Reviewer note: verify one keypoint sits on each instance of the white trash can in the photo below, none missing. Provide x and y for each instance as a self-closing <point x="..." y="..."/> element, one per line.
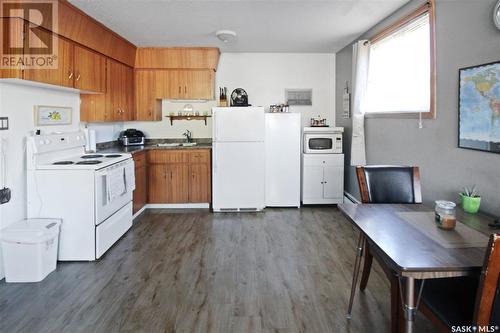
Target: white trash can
<point x="29" y="249"/>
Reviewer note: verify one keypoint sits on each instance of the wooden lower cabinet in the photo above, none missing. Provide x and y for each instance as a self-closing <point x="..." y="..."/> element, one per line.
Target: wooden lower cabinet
<point x="140" y="195"/>
<point x="199" y="183"/>
<point x="176" y="177"/>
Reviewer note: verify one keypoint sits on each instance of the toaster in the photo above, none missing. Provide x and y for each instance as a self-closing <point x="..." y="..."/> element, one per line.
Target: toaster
<point x="132" y="137"/>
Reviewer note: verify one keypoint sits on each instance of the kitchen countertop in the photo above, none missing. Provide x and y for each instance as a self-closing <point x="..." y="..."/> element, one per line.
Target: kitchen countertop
<point x="136" y="149"/>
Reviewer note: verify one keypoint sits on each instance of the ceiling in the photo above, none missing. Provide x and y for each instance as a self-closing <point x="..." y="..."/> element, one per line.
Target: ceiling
<point x="261" y="25"/>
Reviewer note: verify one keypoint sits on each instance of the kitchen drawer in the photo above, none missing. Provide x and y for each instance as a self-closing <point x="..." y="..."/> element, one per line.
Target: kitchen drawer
<point x="323" y="159"/>
<point x="139" y="159"/>
<point x="168" y="156"/>
<point x="199" y="156"/>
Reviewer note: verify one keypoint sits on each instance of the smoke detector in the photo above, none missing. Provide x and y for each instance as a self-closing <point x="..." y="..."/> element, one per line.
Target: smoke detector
<point x="226" y="35"/>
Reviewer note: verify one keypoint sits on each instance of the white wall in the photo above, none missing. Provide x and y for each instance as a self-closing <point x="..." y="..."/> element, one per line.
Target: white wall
<point x="105" y="132"/>
<point x="17" y="102"/>
<point x="264" y="76"/>
<point x="163" y="129"/>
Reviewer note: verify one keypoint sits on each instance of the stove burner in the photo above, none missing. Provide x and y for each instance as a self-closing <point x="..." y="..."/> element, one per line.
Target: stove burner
<point x="62" y="163"/>
<point x="113" y="155"/>
<point x="92" y="156"/>
<point x="89" y="162"/>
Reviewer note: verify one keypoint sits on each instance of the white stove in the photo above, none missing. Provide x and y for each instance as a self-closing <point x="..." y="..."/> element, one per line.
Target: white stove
<point x="91" y="193"/>
<point x="86" y="161"/>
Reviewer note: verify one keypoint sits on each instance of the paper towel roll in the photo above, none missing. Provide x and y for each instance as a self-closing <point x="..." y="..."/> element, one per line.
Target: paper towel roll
<point x="91" y="141"/>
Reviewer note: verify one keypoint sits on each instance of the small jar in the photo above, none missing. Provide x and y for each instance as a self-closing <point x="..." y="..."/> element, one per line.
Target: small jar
<point x="445" y="214"/>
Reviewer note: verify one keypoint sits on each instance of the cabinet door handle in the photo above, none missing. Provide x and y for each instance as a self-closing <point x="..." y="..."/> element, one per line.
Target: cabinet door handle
<point x="70" y="75"/>
<point x="185" y="89"/>
<point x="179" y="89"/>
<point x="170" y="175"/>
<point x="77" y="77"/>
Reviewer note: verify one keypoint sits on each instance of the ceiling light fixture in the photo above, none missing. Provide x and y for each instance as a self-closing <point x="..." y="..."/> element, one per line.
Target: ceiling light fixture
<point x="226" y="35"/>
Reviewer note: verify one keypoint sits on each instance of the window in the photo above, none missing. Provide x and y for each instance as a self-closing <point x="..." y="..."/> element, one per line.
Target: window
<point x="401" y="69"/>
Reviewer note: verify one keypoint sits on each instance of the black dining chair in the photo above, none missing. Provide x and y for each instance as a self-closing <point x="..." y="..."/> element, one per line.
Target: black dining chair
<point x="383" y="184"/>
<point x="466" y="301"/>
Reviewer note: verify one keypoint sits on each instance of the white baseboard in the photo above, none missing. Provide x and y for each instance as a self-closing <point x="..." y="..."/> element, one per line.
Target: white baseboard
<point x="139" y="212"/>
<point x="178" y="206"/>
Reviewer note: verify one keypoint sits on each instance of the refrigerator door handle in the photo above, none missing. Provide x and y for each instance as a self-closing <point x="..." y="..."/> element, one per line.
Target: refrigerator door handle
<point x="214" y="159"/>
<point x="216" y="136"/>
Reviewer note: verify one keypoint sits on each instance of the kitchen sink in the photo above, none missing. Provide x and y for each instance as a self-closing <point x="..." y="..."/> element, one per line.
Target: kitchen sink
<point x="176" y="144"/>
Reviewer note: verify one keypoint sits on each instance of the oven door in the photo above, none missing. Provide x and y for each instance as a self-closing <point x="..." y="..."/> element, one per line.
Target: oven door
<point x="319" y="143"/>
<point x="104" y="207"/>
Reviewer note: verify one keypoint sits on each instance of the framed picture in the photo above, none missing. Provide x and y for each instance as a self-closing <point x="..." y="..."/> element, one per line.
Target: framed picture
<point x="479" y="107"/>
<point x="299" y="97"/>
<point x="52" y="115"/>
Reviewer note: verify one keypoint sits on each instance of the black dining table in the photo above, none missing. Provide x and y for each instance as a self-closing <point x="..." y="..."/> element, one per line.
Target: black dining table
<point x="412" y="253"/>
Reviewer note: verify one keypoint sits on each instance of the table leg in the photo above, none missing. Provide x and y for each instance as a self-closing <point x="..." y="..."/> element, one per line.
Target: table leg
<point x="357" y="265"/>
<point x="410" y="306"/>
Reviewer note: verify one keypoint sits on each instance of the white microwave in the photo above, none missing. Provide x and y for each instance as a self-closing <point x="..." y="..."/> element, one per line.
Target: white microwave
<point x="323" y="140"/>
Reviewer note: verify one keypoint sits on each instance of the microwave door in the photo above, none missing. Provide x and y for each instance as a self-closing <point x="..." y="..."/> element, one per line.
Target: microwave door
<point x="320" y="143"/>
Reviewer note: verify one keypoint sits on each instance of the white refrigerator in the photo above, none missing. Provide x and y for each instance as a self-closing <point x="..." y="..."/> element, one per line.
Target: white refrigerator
<point x="283" y="139"/>
<point x="238" y="158"/>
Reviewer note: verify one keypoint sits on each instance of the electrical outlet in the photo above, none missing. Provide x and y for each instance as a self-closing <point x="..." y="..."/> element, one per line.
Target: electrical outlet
<point x="4" y="195"/>
<point x="4" y="123"/>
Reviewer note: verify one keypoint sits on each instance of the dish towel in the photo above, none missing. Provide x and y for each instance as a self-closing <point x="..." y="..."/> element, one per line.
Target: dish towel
<point x="130" y="177"/>
<point x="115" y="184"/>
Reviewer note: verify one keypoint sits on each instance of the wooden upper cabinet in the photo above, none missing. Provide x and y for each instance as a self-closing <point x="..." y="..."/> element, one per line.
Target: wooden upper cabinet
<point x="147" y="104"/>
<point x="77" y="26"/>
<point x="169" y="84"/>
<point x="184" y="84"/>
<point x="16" y="37"/>
<point x="199" y="84"/>
<point x="177" y="58"/>
<point x="63" y="75"/>
<point x="180" y="73"/>
<point x="117" y="104"/>
<point x="121" y="91"/>
<point x="89" y="70"/>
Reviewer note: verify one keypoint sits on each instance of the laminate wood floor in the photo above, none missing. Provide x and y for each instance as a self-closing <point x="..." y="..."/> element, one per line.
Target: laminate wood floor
<point x="283" y="270"/>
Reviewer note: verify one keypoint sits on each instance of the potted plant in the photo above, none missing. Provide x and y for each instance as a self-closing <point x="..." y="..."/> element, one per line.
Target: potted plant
<point x="470" y="199"/>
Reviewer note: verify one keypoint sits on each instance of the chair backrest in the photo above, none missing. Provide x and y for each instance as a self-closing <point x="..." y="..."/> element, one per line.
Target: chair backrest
<point x="487" y="310"/>
<point x="389" y="184"/>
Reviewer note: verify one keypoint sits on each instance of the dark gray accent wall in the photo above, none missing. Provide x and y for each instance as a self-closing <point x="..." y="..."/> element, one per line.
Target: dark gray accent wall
<point x="465" y="36"/>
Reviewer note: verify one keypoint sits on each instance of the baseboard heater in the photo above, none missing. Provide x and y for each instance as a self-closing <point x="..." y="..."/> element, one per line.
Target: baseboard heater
<point x="238" y="210"/>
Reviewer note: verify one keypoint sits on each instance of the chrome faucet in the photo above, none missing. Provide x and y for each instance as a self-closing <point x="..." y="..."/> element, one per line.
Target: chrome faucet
<point x="188" y="135"/>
